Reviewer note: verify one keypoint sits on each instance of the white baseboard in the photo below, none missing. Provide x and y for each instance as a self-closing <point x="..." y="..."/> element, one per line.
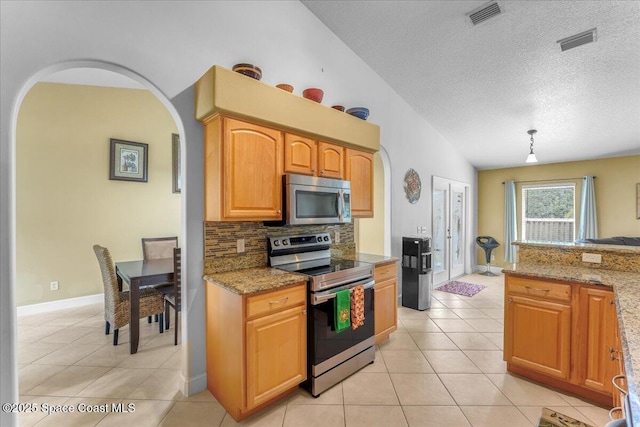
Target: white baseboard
<point x="46" y="307"/>
<point x="195" y="384"/>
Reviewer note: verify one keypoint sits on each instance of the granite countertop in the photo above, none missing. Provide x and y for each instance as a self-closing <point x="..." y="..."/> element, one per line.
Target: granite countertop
<point x="628" y="249"/>
<point x="626" y="288"/>
<point x="370" y="258"/>
<point x="249" y="281"/>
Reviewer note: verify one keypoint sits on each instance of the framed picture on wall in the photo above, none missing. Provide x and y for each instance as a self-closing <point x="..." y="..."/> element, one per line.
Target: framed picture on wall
<point x="128" y="160"/>
<point x="177" y="173"/>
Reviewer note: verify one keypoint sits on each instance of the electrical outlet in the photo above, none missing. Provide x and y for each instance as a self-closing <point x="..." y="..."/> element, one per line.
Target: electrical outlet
<point x="423" y="230"/>
<point x="336" y="237"/>
<point x="240" y="246"/>
<point x="594" y="258"/>
<point x="493" y="257"/>
<point x="53" y="286"/>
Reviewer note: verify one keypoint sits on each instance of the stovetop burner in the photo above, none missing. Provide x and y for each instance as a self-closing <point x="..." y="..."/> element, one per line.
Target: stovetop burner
<point x="312" y="268"/>
<point x="311" y="255"/>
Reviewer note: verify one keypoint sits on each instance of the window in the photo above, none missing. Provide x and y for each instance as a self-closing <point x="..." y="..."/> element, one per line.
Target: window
<point x="548" y="213"/>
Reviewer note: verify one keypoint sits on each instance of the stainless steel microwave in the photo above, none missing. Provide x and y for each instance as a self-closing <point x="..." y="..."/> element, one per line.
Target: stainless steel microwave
<point x="313" y="200"/>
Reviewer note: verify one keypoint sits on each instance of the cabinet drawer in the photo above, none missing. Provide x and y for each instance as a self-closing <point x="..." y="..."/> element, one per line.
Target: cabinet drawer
<point x="538" y="289"/>
<point x="386" y="271"/>
<point x="271" y="302"/>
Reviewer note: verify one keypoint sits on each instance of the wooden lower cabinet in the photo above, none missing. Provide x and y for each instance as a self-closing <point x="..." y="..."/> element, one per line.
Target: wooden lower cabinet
<point x="538" y="335"/>
<point x="562" y="334"/>
<point x="597" y="347"/>
<point x="385" y="299"/>
<point x="256" y="346"/>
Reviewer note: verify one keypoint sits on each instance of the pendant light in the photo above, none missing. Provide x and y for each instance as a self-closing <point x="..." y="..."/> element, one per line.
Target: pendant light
<point x="532" y="157"/>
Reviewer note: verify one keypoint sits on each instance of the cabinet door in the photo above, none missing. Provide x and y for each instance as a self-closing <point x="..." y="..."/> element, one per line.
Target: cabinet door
<point x="300" y="155"/>
<point x="330" y="160"/>
<point x="597" y="348"/>
<point x="276" y="350"/>
<point x="385" y="308"/>
<point x="359" y="170"/>
<point x="252" y="171"/>
<point x="537" y="335"/>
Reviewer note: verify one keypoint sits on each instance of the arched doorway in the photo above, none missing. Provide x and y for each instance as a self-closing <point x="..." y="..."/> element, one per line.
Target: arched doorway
<point x="170" y="109"/>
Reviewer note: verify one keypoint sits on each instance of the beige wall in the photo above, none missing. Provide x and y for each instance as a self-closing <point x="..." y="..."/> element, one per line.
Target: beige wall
<point x="65" y="200"/>
<point x="369" y="232"/>
<point x="615" y="187"/>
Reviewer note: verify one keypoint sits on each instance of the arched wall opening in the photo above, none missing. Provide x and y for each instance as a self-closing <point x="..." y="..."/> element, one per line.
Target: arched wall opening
<point x="12" y="385"/>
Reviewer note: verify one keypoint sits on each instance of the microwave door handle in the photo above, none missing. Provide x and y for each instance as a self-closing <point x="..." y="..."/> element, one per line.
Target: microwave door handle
<point x="339" y="205"/>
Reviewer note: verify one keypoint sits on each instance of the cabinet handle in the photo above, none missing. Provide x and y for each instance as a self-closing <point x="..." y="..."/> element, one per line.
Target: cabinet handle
<point x="313" y="170"/>
<point x="304" y="311"/>
<point x="321" y="172"/>
<point x="282" y="301"/>
<point x="611" y="302"/>
<point x="510" y="300"/>
<point x="279" y="211"/>
<point x="537" y="289"/>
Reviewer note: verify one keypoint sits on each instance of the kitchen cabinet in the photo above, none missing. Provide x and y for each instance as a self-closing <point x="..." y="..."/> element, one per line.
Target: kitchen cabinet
<point x="300" y="155"/>
<point x="359" y="170"/>
<point x="307" y="156"/>
<point x="537" y="333"/>
<point x="256" y="346"/>
<point x="385" y="300"/>
<point x="243" y="171"/>
<point x="562" y="334"/>
<point x="598" y="348"/>
<point x="330" y="160"/>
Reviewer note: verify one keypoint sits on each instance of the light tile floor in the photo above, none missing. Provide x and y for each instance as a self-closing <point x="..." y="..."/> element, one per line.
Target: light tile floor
<point x="443" y="367"/>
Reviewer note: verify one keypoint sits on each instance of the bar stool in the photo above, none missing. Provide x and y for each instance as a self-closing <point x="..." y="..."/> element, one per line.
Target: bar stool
<point x="487" y="243"/>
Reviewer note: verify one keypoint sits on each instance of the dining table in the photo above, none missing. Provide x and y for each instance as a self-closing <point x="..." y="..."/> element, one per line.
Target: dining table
<point x="139" y="274"/>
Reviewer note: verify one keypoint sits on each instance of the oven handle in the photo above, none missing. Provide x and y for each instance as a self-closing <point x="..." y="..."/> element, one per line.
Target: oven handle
<point x="320" y="297"/>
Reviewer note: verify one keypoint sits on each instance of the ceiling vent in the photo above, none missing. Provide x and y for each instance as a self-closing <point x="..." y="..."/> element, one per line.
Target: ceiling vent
<point x="578" y="40"/>
<point x="484" y="12"/>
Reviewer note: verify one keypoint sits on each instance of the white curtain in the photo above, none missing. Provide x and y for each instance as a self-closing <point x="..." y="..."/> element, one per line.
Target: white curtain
<point x="510" y="221"/>
<point x="588" y="218"/>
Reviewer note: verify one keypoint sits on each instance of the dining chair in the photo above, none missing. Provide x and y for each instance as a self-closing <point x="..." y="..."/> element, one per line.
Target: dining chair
<point x="116" y="302"/>
<point x="157" y="248"/>
<point x="174" y="298"/>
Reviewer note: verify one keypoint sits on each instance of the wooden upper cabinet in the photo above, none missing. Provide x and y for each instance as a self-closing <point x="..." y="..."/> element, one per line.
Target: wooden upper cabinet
<point x="330" y="160"/>
<point x="359" y="170"/>
<point x="243" y="171"/>
<point x="300" y="155"/>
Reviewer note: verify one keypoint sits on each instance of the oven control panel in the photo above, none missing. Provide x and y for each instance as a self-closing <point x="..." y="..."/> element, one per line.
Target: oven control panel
<point x="306" y="241"/>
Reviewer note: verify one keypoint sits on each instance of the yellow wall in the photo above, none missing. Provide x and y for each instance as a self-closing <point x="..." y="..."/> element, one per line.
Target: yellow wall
<point x="615" y="187"/>
<point x="65" y="200"/>
<point x="369" y="232"/>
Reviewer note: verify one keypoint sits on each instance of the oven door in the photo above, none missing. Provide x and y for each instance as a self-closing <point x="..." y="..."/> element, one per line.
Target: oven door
<point x="327" y="348"/>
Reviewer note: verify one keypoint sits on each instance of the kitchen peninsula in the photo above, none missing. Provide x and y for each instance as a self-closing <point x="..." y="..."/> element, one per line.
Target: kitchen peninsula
<point x="572" y="320"/>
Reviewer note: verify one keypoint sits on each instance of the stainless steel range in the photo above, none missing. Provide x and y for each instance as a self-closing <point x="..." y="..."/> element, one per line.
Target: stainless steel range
<point x="331" y="356"/>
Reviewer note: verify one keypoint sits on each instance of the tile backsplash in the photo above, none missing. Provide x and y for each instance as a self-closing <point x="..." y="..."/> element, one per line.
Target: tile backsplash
<point x="220" y="242"/>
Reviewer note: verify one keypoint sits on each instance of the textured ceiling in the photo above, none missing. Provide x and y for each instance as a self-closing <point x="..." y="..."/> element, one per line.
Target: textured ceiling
<point x="482" y="87"/>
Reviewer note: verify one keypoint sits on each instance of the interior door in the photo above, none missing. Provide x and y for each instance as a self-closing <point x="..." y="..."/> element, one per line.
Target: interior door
<point x="449" y="229"/>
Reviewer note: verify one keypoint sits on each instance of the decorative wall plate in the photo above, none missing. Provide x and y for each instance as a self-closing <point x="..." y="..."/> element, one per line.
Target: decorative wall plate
<point x="412" y="186"/>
